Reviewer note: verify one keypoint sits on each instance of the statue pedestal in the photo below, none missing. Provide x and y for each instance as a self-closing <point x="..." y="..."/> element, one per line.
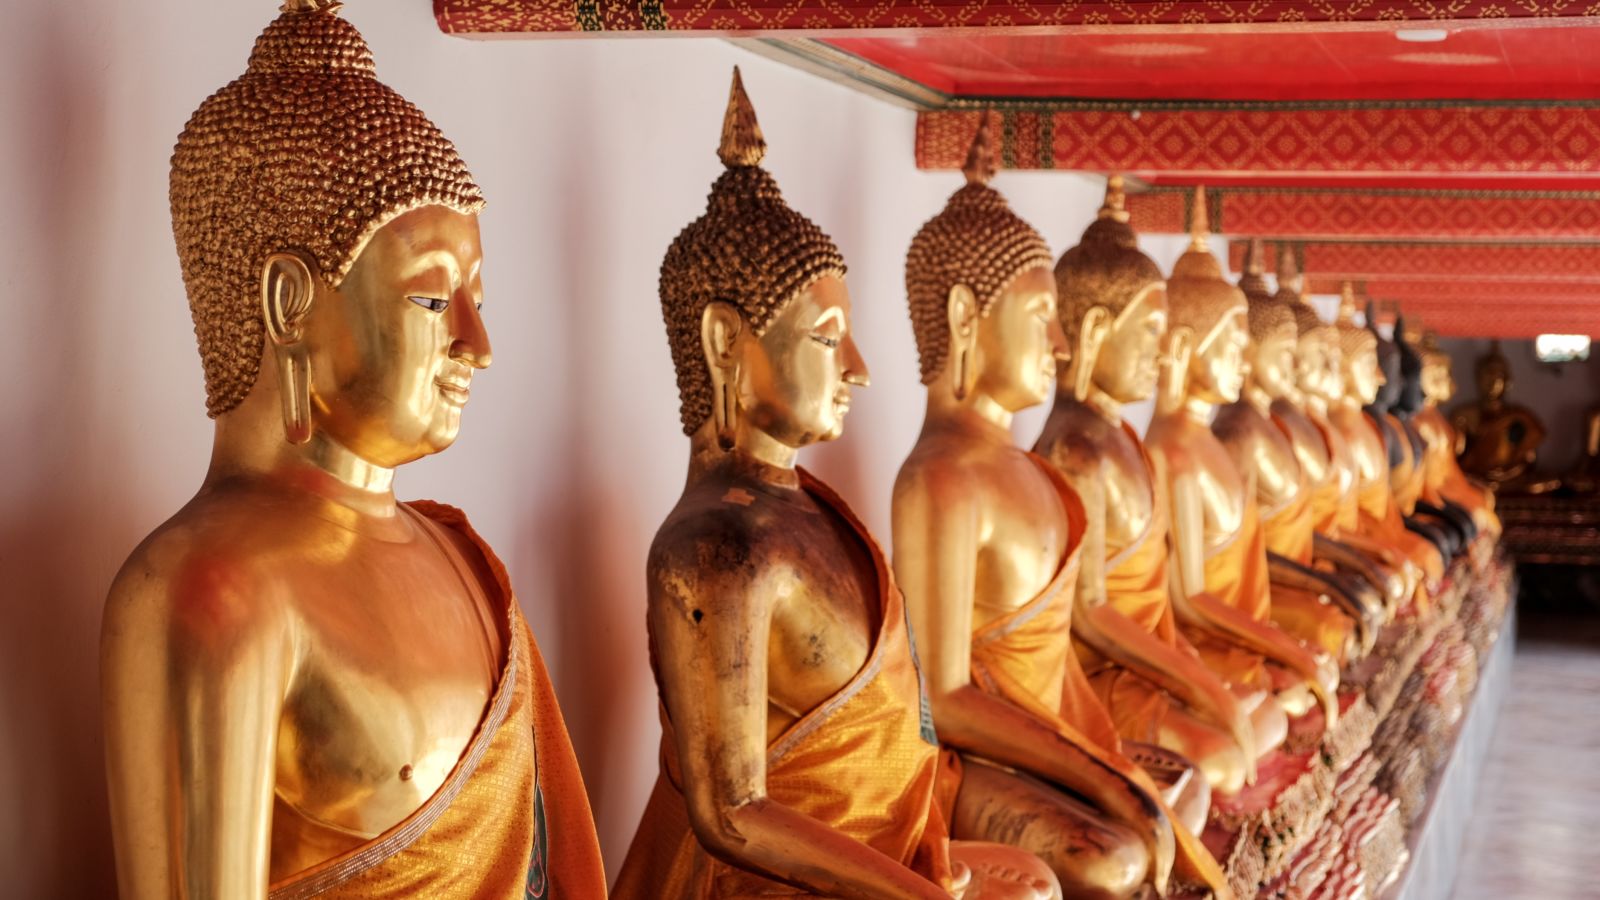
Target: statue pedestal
<point x="1440" y="829"/>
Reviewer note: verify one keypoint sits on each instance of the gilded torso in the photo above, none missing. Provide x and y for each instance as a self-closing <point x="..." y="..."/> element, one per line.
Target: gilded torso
<point x="1310" y="446"/>
<point x="1084" y="445"/>
<point x="1257" y="446"/>
<point x="1191" y="452"/>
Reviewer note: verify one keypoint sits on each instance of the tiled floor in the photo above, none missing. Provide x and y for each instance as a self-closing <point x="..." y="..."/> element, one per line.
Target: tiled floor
<point x="1535" y="831"/>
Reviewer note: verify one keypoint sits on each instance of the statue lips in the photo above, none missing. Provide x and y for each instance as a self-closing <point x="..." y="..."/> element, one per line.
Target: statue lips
<point x="455" y="391"/>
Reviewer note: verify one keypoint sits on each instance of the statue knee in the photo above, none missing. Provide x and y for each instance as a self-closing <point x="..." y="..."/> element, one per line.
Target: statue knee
<point x="1271" y="725"/>
<point x="1118" y="870"/>
<point x="1223" y="768"/>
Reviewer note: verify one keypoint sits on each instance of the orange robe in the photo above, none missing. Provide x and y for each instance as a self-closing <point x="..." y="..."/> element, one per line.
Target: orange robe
<point x="511" y="821"/>
<point x="1236" y="575"/>
<point x="1137" y="587"/>
<point x="865" y="762"/>
<point x="1380" y="517"/>
<point x="1302" y="613"/>
<point x="1026" y="657"/>
<point x="1446" y="481"/>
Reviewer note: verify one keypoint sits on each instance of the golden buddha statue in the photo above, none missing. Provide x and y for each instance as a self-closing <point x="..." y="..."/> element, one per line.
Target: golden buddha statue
<point x="1113" y="308"/>
<point x="1499" y="440"/>
<point x="1428" y="506"/>
<point x="1303" y="598"/>
<point x="1377" y="513"/>
<point x="1221" y="584"/>
<point x="310" y="688"/>
<point x="1445" y="480"/>
<point x="1302" y="415"/>
<point x="986" y="548"/>
<point x="798" y="756"/>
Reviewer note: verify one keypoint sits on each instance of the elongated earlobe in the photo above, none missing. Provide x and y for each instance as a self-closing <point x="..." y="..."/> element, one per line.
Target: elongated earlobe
<point x="962" y="308"/>
<point x="1092" y="334"/>
<point x="287" y="290"/>
<point x="720" y="325"/>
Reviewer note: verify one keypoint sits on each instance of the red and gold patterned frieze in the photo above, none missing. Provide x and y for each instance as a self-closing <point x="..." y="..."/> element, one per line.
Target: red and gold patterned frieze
<point x="1397" y="214"/>
<point x="1417" y="139"/>
<point x="1437" y="262"/>
<point x="792" y="17"/>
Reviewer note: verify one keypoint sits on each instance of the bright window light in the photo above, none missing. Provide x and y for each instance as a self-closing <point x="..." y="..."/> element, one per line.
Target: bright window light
<point x="1554" y="348"/>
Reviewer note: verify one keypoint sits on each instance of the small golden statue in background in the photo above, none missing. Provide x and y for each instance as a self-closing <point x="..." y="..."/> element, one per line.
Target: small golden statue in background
<point x="1499" y="441"/>
<point x="798" y="755"/>
<point x="308" y="685"/>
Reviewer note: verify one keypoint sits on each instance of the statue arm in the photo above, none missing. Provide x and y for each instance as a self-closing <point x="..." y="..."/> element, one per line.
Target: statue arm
<point x="710" y="630"/>
<point x="1201" y="611"/>
<point x="1385" y="579"/>
<point x="1116" y="637"/>
<point x="935" y="559"/>
<point x="195" y="666"/>
<point x="1355" y="599"/>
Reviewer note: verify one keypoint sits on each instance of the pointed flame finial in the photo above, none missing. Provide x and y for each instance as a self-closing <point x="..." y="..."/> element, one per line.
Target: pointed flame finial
<point x="1116" y="204"/>
<point x="1253" y="252"/>
<point x="1347" y="303"/>
<point x="1288" y="264"/>
<point x="742" y="143"/>
<point x="979" y="167"/>
<point x="1200" y="221"/>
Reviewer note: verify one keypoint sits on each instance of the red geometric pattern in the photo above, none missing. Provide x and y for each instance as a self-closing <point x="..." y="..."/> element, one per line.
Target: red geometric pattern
<point x="1403" y="215"/>
<point x="791" y="17"/>
<point x="1546" y="293"/>
<point x="1390" y="261"/>
<point x="1503" y="320"/>
<point x="1418" y="140"/>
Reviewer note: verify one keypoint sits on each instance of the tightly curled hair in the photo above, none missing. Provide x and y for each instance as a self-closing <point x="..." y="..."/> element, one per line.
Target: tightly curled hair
<point x="307" y="151"/>
<point x="977" y="241"/>
<point x="749" y="250"/>
<point x="1106" y="268"/>
<point x="1268" y="317"/>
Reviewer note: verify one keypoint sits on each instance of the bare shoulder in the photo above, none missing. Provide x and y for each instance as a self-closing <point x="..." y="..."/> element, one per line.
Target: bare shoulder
<point x="199" y="587"/>
<point x="714" y="550"/>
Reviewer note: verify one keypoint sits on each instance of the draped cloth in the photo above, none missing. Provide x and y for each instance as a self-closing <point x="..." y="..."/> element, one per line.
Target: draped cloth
<point x="511" y="821"/>
<point x="1236" y="575"/>
<point x="1026" y="657"/>
<point x="1301" y="613"/>
<point x="865" y="762"/>
<point x="1446" y="481"/>
<point x="1136" y="587"/>
<point x="1381" y="518"/>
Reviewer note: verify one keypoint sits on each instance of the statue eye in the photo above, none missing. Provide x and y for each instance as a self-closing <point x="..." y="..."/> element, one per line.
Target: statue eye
<point x="432" y="304"/>
<point x="824" y="340"/>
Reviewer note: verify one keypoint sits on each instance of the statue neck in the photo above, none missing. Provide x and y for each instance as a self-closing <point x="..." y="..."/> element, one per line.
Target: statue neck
<point x="1104" y="404"/>
<point x="1198" y="408"/>
<point x="1258" y="398"/>
<point x="249" y="446"/>
<point x="766" y="462"/>
<point x="977" y="414"/>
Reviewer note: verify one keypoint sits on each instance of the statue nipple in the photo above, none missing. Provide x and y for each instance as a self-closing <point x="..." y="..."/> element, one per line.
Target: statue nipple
<point x="742" y="142"/>
<point x="979" y="167"/>
<point x="1200" y="221"/>
<point x="1116" y="205"/>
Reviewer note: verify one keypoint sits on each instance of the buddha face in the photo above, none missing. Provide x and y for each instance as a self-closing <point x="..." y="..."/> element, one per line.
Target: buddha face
<point x="1217" y="369"/>
<point x="794" y="380"/>
<point x="393" y="350"/>
<point x="1311" y="365"/>
<point x="1493" y="376"/>
<point x="1273" y="365"/>
<point x="1127" y="368"/>
<point x="1362" y="376"/>
<point x="1017" y="342"/>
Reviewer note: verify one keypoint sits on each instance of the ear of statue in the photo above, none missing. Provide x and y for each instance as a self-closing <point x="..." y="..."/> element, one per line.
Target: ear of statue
<point x="1175" y="368"/>
<point x="720" y="326"/>
<point x="962" y="310"/>
<point x="1092" y="334"/>
<point x="287" y="290"/>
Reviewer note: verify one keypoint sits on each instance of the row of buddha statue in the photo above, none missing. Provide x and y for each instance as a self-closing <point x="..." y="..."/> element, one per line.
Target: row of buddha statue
<point x="312" y="689"/>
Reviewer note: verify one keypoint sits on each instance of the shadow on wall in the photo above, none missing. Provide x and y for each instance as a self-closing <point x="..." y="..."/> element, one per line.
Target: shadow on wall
<point x="55" y="834"/>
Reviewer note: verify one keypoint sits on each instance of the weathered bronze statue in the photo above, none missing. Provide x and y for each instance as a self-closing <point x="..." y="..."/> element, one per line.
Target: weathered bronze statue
<point x="1500" y="440"/>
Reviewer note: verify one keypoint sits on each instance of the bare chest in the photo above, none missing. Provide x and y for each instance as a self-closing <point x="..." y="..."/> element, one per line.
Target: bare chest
<point x="1130" y="497"/>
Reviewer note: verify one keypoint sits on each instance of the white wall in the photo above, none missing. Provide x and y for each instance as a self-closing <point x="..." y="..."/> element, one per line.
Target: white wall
<point x="1561" y="395"/>
<point x="593" y="155"/>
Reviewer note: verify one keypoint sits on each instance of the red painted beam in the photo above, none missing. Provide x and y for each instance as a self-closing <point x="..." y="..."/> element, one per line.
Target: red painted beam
<point x="1502" y="320"/>
<point x="793" y="18"/>
<point x="1441" y="262"/>
<point x="1548" y="293"/>
<point x="1397" y="214"/>
<point x="1419" y="141"/>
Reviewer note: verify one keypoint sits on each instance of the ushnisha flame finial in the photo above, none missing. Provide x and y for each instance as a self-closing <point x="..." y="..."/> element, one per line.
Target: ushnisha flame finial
<point x="1347" y="303"/>
<point x="979" y="167"/>
<point x="310" y="6"/>
<point x="742" y="142"/>
<point x="1288" y="272"/>
<point x="1115" y="206"/>
<point x="1200" y="221"/>
<point x="1253" y="252"/>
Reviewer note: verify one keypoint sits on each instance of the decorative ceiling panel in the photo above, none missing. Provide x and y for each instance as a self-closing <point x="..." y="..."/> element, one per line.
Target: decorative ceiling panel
<point x="1439" y="262"/>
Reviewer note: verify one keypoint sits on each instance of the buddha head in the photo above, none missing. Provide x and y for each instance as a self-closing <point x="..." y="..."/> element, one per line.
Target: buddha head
<point x="1410" y="399"/>
<point x="1388" y="365"/>
<point x="982" y="300"/>
<point x="1358" y="348"/>
<point x="1107" y="284"/>
<point x="1493" y="374"/>
<point x="328" y="230"/>
<point x="1438" y="384"/>
<point x="1213" y="313"/>
<point x="757" y="314"/>
<point x="1316" y="357"/>
<point x="1274" y="338"/>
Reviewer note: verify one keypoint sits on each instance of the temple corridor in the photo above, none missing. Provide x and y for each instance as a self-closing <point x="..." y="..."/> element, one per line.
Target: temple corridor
<point x="1538" y="809"/>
